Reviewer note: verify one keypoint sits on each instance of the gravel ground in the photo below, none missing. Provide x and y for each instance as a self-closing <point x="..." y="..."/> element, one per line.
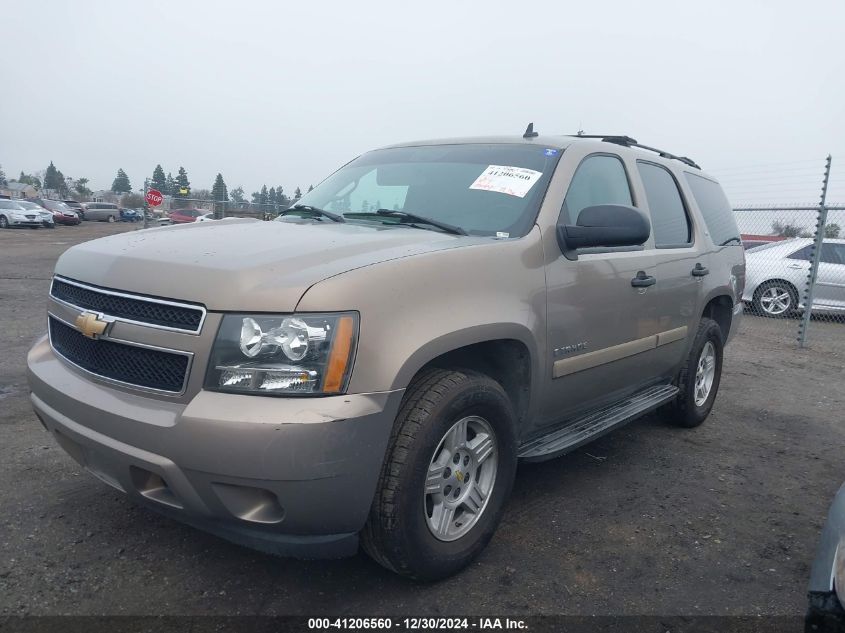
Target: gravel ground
<point x="719" y="520"/>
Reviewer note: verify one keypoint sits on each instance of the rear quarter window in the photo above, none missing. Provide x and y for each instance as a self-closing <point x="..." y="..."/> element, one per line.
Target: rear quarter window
<point x="715" y="209"/>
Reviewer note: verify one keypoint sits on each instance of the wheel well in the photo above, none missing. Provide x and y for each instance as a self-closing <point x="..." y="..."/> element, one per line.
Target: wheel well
<point x="720" y="309"/>
<point x="777" y="280"/>
<point x="508" y="362"/>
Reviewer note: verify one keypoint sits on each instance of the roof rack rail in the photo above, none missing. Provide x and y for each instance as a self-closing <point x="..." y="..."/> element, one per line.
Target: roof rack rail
<point x="627" y="141"/>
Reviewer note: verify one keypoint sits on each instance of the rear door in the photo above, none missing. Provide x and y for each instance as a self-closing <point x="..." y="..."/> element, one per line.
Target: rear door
<point x="682" y="263"/>
<point x="830" y="280"/>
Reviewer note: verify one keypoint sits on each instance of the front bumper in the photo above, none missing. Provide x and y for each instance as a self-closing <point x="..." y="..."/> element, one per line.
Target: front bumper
<point x="290" y="476"/>
<point x="13" y="221"/>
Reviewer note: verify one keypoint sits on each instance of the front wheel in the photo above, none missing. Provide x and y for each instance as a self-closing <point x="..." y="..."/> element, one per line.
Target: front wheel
<point x="698" y="380"/>
<point x="4" y="223"/>
<point x="111" y="219"/>
<point x="449" y="469"/>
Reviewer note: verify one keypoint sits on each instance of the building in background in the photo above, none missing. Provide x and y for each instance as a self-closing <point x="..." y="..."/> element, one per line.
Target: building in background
<point x="18" y="190"/>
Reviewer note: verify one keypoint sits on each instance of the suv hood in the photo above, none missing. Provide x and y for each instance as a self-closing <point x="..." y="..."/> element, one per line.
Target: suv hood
<point x="244" y="265"/>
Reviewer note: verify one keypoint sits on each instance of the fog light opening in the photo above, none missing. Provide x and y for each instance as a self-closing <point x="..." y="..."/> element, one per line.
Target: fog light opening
<point x="153" y="486"/>
<point x="255" y="505"/>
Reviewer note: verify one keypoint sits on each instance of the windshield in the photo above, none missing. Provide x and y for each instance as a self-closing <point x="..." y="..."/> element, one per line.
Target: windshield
<point x="8" y="204"/>
<point x="483" y="189"/>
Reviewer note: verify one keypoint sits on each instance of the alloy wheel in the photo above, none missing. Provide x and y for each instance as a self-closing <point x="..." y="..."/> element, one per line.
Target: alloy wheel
<point x="460" y="478"/>
<point x="776" y="300"/>
<point x="705" y="373"/>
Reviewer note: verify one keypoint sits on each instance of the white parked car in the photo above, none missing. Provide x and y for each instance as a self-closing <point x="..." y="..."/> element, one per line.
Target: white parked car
<point x="206" y="217"/>
<point x="777" y="276"/>
<point x="46" y="216"/>
<point x="13" y="214"/>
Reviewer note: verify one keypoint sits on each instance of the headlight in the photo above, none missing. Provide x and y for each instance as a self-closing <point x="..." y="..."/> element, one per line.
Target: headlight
<point x="302" y="354"/>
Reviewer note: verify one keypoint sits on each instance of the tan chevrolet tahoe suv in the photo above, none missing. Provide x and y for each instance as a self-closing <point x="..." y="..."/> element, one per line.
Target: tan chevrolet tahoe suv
<point x="372" y="365"/>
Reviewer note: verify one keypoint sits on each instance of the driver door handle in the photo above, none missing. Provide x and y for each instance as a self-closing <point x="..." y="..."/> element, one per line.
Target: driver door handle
<point x="642" y="280"/>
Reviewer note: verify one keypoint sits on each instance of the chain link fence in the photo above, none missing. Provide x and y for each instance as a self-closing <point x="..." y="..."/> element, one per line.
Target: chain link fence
<point x="795" y="252"/>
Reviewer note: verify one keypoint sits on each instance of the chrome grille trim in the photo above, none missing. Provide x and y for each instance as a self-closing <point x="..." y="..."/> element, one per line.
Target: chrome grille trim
<point x="133" y="297"/>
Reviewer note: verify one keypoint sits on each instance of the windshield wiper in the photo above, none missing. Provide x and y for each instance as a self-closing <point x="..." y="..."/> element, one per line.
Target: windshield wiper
<point x="731" y="239"/>
<point x="334" y="217"/>
<point x="413" y="217"/>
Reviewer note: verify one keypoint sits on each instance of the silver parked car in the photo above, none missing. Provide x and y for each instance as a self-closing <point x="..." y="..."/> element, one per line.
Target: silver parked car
<point x="46" y="216"/>
<point x="777" y="275"/>
<point x="13" y="214"/>
<point x="372" y="365"/>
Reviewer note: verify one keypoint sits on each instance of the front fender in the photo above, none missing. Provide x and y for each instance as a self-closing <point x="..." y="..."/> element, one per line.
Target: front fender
<point x="419" y="307"/>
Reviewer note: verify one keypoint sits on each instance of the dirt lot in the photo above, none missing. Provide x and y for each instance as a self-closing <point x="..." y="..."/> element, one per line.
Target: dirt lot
<point x="722" y="519"/>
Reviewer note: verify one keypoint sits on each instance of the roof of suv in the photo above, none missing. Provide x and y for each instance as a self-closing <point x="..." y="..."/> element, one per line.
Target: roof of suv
<point x="562" y="141"/>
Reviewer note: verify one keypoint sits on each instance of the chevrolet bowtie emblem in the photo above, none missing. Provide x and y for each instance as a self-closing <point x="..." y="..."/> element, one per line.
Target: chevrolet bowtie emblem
<point x="90" y="325"/>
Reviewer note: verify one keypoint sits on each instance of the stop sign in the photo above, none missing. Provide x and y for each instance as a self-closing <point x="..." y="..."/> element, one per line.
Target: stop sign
<point x="153" y="197"/>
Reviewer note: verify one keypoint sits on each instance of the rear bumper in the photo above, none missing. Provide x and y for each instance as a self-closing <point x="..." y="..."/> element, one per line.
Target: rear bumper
<point x="293" y="477"/>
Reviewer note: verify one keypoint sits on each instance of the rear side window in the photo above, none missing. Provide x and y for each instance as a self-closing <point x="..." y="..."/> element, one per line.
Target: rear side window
<point x="833" y="253"/>
<point x="801" y="253"/>
<point x="669" y="220"/>
<point x="599" y="179"/>
<point x="714" y="206"/>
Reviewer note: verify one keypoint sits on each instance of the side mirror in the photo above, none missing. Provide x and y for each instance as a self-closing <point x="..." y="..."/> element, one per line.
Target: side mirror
<point x="605" y="225"/>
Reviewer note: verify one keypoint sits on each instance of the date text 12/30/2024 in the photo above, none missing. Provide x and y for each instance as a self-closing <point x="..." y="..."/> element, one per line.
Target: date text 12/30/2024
<point x="415" y="624"/>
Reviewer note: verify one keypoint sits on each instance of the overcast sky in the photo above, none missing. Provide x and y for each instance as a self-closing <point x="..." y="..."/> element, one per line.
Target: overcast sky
<point x="284" y="92"/>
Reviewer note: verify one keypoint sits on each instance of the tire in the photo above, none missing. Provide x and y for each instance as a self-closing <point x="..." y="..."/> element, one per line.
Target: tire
<point x="689" y="408"/>
<point x="775" y="299"/>
<point x="398" y="534"/>
<point x="110" y="219"/>
<point x="4" y="223"/>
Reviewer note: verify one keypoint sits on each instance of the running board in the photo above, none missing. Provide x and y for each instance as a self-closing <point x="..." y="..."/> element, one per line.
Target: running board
<point x="590" y="426"/>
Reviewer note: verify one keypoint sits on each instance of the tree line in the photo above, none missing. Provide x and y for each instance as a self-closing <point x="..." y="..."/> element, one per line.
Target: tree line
<point x="179" y="187"/>
<point x="51" y="179"/>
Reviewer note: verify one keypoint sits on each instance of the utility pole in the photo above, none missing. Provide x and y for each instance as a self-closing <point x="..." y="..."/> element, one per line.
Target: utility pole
<point x="146" y="205"/>
<point x="815" y="256"/>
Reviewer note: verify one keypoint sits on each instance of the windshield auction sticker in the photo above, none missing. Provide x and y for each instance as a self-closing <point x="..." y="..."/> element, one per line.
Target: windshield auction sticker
<point x="514" y="181"/>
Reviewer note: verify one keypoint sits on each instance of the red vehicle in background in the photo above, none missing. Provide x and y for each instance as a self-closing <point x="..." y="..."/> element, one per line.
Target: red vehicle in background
<point x="62" y="214"/>
<point x="184" y="216"/>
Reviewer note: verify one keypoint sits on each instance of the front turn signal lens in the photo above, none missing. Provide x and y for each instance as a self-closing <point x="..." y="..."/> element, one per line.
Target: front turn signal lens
<point x="340" y="356"/>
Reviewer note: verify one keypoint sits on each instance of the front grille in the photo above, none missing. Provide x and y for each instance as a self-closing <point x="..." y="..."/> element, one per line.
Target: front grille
<point x="152" y="311"/>
<point x="150" y="368"/>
